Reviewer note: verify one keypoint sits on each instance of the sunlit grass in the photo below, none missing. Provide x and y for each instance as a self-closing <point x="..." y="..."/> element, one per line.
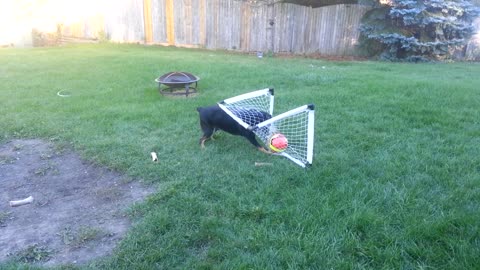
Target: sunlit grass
<point x="394" y="184"/>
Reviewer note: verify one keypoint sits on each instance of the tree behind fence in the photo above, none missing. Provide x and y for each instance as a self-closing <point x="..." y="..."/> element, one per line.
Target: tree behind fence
<point x="235" y="25"/>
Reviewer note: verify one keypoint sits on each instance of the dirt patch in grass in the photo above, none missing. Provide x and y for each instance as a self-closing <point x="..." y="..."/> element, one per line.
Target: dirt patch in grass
<point x="78" y="211"/>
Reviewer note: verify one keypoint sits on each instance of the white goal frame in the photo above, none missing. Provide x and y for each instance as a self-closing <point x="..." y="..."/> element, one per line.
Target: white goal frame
<point x="267" y="91"/>
<point x="307" y="110"/>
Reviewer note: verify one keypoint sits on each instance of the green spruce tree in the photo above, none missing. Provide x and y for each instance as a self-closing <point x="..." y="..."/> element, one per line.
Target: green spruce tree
<point x="417" y="30"/>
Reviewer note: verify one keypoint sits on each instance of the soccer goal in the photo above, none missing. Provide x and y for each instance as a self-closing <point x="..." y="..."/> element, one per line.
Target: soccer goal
<point x="296" y="125"/>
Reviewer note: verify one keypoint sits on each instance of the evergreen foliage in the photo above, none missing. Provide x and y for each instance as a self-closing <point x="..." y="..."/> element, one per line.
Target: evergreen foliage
<point x="418" y="30"/>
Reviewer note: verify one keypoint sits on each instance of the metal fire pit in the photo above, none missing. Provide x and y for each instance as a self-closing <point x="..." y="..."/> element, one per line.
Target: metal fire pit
<point x="177" y="83"/>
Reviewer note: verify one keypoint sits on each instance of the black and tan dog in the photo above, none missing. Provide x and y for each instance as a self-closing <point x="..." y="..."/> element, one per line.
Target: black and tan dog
<point x="214" y="118"/>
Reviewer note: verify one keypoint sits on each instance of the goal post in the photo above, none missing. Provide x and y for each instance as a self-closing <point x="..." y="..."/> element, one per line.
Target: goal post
<point x="260" y="99"/>
<point x="238" y="107"/>
<point x="296" y="125"/>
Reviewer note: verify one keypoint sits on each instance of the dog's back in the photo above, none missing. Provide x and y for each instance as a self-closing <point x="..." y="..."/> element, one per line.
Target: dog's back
<point x="213" y="117"/>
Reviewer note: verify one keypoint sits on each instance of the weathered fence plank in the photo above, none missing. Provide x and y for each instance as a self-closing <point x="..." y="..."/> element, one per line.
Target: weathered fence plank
<point x="159" y="22"/>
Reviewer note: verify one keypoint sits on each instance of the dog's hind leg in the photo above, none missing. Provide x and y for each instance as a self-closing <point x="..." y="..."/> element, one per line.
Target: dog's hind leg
<point x="207" y="134"/>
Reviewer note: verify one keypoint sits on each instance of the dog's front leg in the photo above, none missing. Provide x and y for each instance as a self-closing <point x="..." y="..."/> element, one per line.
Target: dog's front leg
<point x="264" y="150"/>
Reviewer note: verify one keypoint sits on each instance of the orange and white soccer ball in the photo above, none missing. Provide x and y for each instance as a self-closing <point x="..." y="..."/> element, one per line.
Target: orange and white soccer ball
<point x="278" y="142"/>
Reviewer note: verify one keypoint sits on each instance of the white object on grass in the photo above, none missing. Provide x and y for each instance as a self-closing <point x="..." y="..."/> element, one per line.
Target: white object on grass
<point x="154" y="156"/>
<point x="21" y="202"/>
<point x="258" y="164"/>
<point x="61" y="94"/>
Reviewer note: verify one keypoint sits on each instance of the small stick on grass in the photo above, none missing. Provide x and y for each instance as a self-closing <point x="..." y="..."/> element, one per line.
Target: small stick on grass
<point x="258" y="164"/>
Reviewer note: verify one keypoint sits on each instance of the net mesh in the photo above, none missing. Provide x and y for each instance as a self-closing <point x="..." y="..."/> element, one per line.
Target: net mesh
<point x="253" y="110"/>
<point x="261" y="101"/>
<point x="295" y="129"/>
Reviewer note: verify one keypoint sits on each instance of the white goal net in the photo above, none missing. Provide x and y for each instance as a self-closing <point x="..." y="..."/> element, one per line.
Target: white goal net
<point x="254" y="111"/>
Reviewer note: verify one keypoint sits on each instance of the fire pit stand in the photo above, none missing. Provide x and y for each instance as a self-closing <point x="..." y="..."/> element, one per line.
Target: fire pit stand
<point x="176" y="81"/>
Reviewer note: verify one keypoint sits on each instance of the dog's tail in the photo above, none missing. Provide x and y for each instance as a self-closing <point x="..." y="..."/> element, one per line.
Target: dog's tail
<point x="199" y="109"/>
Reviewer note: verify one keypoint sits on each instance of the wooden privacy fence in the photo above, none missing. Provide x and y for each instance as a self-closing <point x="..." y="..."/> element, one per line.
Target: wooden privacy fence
<point x="236" y="25"/>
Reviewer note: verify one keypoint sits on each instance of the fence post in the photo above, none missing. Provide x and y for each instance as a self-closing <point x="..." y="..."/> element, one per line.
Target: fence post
<point x="202" y="13"/>
<point x="271" y="26"/>
<point x="170" y="22"/>
<point x="147" y="21"/>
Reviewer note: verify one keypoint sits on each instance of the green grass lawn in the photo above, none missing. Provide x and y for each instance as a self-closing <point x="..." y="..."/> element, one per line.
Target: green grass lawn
<point x="395" y="181"/>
